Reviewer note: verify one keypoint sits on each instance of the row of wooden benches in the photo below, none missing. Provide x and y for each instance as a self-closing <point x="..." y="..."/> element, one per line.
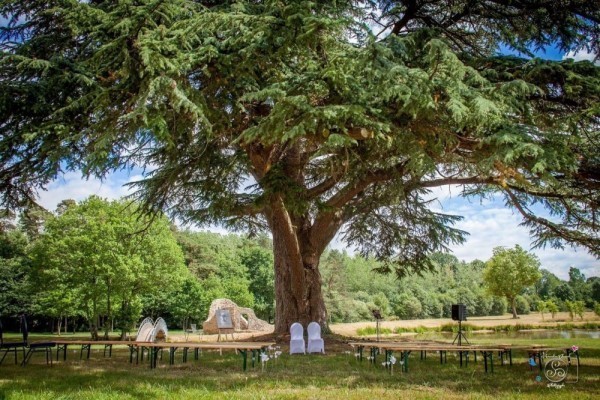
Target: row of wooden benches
<point x="138" y="349"/>
<point x="536" y="353"/>
<point x="154" y="350"/>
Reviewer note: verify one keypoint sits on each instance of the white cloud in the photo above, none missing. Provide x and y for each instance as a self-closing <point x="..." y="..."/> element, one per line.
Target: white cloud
<point x="490" y="226"/>
<point x="581" y="55"/>
<point x="73" y="186"/>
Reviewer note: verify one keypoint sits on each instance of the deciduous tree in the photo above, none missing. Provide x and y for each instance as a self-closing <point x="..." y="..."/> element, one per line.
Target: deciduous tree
<point x="107" y="255"/>
<point x="509" y="271"/>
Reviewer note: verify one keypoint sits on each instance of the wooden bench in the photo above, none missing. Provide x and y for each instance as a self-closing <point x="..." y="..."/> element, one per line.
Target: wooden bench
<point x="86" y="345"/>
<point x="406" y="348"/>
<point x="241" y="347"/>
<point x="154" y="348"/>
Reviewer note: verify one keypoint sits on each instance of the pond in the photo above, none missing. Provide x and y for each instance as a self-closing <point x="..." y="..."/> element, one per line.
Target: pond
<point x="528" y="334"/>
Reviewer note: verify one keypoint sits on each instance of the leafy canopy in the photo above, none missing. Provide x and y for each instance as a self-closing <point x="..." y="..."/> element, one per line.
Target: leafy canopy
<point x="347" y="113"/>
<point x="103" y="257"/>
<point x="509" y="271"/>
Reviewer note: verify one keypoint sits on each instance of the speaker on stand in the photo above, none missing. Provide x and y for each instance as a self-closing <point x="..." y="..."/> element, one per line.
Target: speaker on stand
<point x="459" y="313"/>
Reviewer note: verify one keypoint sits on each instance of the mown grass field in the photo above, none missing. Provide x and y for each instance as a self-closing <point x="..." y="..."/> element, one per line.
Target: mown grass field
<point x="336" y="375"/>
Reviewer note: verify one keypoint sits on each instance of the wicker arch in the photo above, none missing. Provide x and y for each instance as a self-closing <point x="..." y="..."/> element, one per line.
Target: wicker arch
<point x="160" y="331"/>
<point x="144" y="332"/>
<point x="152" y="331"/>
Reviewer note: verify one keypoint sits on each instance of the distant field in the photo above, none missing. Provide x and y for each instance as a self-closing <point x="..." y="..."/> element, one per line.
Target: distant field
<point x="561" y="318"/>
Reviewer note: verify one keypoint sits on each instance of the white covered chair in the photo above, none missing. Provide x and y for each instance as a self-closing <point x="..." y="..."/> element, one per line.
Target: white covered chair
<point x="297" y="339"/>
<point x="315" y="342"/>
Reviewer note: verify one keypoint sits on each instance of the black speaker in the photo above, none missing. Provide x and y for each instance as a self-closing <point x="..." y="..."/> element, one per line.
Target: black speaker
<point x="459" y="312"/>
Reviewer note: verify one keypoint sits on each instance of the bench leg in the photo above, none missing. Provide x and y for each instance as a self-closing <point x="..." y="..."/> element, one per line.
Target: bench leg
<point x="2" y="359"/>
<point x="58" y="349"/>
<point x="172" y="355"/>
<point x="153" y="356"/>
<point x="26" y="358"/>
<point x="244" y="354"/>
<point x="485" y="360"/>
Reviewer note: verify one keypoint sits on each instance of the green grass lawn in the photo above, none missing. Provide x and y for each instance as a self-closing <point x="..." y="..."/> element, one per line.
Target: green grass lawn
<point x="336" y="375"/>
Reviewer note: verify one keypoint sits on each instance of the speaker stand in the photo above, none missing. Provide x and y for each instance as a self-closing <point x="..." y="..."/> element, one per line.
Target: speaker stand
<point x="460" y="335"/>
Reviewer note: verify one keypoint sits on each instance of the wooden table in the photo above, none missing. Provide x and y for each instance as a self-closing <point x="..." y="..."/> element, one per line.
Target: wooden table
<point x="86" y="345"/>
<point x="242" y="347"/>
<point x="138" y="348"/>
<point x="406" y="348"/>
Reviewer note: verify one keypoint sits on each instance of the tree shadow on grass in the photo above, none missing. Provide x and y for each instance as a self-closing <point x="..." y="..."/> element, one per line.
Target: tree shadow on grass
<point x="215" y="375"/>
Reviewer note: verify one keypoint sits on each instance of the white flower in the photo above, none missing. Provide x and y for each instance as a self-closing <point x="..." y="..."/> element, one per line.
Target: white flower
<point x="393" y="360"/>
<point x="264" y="357"/>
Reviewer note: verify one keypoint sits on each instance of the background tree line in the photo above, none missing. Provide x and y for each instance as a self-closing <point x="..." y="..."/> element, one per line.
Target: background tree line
<point x="101" y="266"/>
<point x="98" y="265"/>
<point x="352" y="288"/>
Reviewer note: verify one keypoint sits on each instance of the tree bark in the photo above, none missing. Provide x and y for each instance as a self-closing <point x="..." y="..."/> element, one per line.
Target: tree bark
<point x="297" y="277"/>
<point x="298" y="292"/>
<point x="514" y="307"/>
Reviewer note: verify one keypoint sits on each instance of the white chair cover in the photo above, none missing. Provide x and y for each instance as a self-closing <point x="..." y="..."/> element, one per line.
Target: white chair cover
<point x="297" y="339"/>
<point x="315" y="342"/>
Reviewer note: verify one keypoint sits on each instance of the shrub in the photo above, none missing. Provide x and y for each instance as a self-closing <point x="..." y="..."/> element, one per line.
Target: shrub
<point x="575" y="308"/>
<point x="597" y="308"/>
<point x="407" y="306"/>
<point x="382" y="303"/>
<point x="541" y="307"/>
<point x="522" y="305"/>
<point x="483" y="305"/>
<point x="499" y="306"/>
<point x="551" y="307"/>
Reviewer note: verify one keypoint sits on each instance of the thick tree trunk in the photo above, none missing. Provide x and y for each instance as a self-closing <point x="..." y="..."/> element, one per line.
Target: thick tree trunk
<point x="298" y="294"/>
<point x="299" y="238"/>
<point x="297" y="279"/>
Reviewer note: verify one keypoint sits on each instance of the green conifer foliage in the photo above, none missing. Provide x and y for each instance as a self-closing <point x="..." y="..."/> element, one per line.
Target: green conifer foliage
<point x="304" y="119"/>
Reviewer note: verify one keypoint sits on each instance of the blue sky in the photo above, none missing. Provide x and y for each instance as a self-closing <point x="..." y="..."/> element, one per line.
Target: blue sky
<point x="549" y="53"/>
